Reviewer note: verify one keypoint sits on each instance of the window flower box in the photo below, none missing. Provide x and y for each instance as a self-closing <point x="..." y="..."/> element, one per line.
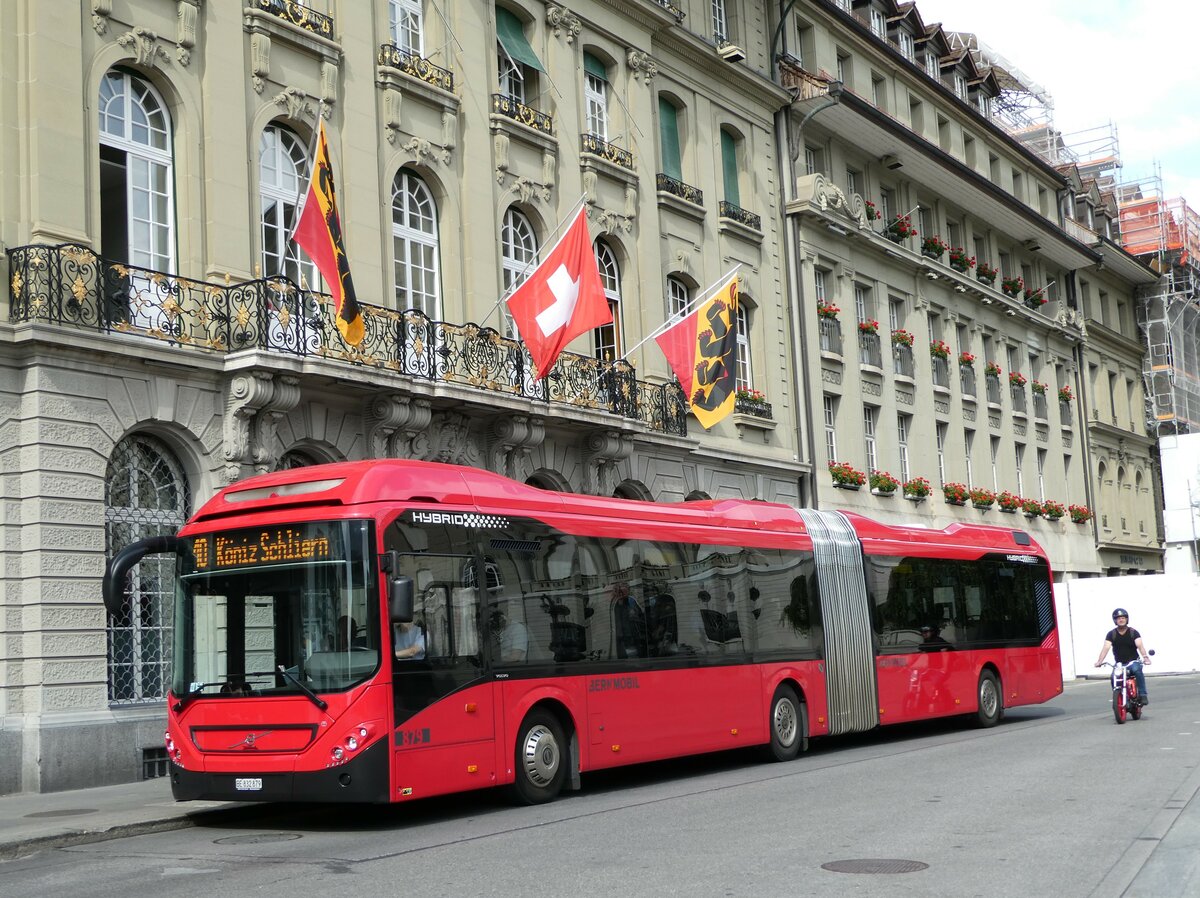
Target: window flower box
<point x="985" y="273"/>
<point x="933" y="247"/>
<point x="1008" y="502"/>
<point x="1013" y="286"/>
<point x="1038" y="388"/>
<point x="1017" y="379"/>
<point x="870" y="326"/>
<point x="846" y="476"/>
<point x="966" y="360"/>
<point x="1080" y="514"/>
<point x="982" y="498"/>
<point x="955" y="493"/>
<point x="916" y="489"/>
<point x="902" y="338"/>
<point x="992" y="370"/>
<point x="960" y="261"/>
<point x="1032" y="508"/>
<point x="899" y="228"/>
<point x="1052" y="510"/>
<point x="827" y="310"/>
<point x="939" y="350"/>
<point x="873" y="213"/>
<point x="883" y="483"/>
<point x="1035" y="299"/>
<point x="1065" y="394"/>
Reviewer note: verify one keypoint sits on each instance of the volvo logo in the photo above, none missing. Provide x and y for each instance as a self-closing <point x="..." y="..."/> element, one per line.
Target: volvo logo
<point x="250" y="741"/>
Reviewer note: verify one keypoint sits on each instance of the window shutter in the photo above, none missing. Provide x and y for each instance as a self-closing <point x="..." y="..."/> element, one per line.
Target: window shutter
<point x="512" y="38"/>
<point x="668" y="124"/>
<point x="594" y="66"/>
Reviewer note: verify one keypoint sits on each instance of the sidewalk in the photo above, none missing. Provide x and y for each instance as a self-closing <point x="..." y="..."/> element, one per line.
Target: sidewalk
<point x="31" y="821"/>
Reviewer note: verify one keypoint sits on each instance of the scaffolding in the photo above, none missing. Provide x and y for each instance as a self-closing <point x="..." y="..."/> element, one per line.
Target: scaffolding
<point x="1165" y="234"/>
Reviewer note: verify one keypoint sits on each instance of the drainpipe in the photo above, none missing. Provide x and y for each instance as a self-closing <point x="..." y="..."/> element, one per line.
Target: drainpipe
<point x="795" y="289"/>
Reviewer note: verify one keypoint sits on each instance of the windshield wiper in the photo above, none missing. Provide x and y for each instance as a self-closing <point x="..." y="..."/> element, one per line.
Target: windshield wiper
<point x="312" y="696"/>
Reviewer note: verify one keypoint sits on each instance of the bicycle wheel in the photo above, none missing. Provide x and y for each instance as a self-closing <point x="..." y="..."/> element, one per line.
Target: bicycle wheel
<point x="1135" y="706"/>
<point x="1119" y="705"/>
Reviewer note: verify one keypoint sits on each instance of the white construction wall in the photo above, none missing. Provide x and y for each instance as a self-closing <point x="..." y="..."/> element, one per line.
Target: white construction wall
<point x="1165" y="609"/>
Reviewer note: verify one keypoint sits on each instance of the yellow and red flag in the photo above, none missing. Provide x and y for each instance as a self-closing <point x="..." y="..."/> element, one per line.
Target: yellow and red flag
<point x="702" y="351"/>
<point x="319" y="234"/>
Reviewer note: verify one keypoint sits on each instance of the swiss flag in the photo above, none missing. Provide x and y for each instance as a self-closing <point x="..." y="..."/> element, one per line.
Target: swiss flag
<point x="562" y="299"/>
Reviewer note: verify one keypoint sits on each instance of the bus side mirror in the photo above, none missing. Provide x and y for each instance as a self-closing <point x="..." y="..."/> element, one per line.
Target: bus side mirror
<point x="400" y="600"/>
<point x="115" y="575"/>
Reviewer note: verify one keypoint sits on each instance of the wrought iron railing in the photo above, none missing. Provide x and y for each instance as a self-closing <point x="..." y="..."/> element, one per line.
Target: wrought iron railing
<point x="417" y="66"/>
<point x="672" y="9"/>
<point x="966" y="379"/>
<point x="1064" y="413"/>
<point x="869" y="352"/>
<point x="993" y="389"/>
<point x="755" y="409"/>
<point x="902" y="360"/>
<point x="70" y="286"/>
<point x="1018" y="398"/>
<point x="667" y="184"/>
<point x="941" y="372"/>
<point x="505" y="105"/>
<point x="300" y="15"/>
<point x="596" y="146"/>
<point x="740" y="215"/>
<point x="830" y="332"/>
<point x="1041" y="410"/>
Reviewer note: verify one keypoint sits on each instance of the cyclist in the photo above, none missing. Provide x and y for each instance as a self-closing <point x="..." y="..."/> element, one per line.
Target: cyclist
<point x="1126" y="645"/>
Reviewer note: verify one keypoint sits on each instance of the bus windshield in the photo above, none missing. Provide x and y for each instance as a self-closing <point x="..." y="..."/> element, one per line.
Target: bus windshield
<point x="285" y="609"/>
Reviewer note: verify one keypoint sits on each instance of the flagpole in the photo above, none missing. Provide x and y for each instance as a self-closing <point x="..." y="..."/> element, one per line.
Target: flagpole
<point x="520" y="278"/>
<point x="685" y="311"/>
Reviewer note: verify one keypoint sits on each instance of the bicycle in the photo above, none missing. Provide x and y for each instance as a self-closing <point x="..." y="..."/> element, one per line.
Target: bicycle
<point x="1125" y="692"/>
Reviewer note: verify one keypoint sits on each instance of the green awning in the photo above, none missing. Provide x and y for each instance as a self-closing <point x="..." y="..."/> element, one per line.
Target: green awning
<point x="594" y="66"/>
<point x="668" y="126"/>
<point x="512" y="39"/>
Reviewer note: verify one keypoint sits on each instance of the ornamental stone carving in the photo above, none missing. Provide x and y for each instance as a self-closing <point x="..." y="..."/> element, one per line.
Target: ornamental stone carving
<point x="419" y="149"/>
<point x="253" y="406"/>
<point x="295" y="102"/>
<point x="260" y="60"/>
<point x="820" y="193"/>
<point x="603" y="451"/>
<point x="101" y="10"/>
<point x="512" y="440"/>
<point x="563" y="23"/>
<point x="143" y="44"/>
<point x="187" y="12"/>
<point x="393" y="101"/>
<point x="392" y="424"/>
<point x="641" y="64"/>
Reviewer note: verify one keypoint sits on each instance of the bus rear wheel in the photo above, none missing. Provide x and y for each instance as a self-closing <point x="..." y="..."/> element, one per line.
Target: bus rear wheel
<point x="541" y="758"/>
<point x="789" y="724"/>
<point x="991" y="702"/>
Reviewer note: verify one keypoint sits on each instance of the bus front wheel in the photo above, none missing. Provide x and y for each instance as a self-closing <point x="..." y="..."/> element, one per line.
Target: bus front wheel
<point x="541" y="758"/>
<point x="789" y="724"/>
<point x="991" y="701"/>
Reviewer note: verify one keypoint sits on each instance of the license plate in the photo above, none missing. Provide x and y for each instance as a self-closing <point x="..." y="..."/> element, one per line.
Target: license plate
<point x="248" y="783"/>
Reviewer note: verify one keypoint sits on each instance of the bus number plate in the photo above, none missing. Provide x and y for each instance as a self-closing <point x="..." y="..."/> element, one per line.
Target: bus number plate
<point x="248" y="783"/>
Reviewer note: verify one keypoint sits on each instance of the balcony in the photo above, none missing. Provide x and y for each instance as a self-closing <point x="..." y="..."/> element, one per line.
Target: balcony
<point x="595" y="146"/>
<point x="902" y="361"/>
<point x="672" y="9"/>
<point x="1064" y="413"/>
<point x="940" y="372"/>
<point x="966" y="379"/>
<point x="754" y="409"/>
<point x="1018" y="399"/>
<point x="830" y="335"/>
<point x="730" y="212"/>
<point x="869" y="352"/>
<point x="69" y="286"/>
<point x="504" y="105"/>
<point x="416" y="66"/>
<point x="1041" y="409"/>
<point x="666" y="184"/>
<point x="299" y="15"/>
<point x="993" y="390"/>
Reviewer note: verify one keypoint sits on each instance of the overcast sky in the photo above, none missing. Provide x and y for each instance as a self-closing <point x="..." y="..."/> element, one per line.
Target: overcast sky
<point x="1134" y="63"/>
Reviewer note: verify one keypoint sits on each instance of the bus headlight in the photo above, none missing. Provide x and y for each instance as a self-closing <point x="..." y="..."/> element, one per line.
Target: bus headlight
<point x="351" y="743"/>
<point x="337" y="753"/>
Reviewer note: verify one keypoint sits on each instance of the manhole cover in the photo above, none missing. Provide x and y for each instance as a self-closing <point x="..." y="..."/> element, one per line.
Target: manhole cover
<point x="65" y="812"/>
<point x="874" y="865"/>
<point x="257" y="839"/>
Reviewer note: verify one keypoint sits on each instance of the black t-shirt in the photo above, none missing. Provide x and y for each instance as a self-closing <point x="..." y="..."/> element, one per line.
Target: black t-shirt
<point x="1124" y="645"/>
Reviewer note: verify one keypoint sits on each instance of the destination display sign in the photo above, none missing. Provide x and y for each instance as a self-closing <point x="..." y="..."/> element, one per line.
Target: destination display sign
<point x="287" y="544"/>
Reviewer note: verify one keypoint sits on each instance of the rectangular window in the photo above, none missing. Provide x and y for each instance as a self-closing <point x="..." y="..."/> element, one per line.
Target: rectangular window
<point x="925" y="220"/>
<point x="878" y="92"/>
<point x="916" y="115"/>
<point x="933" y="68"/>
<point x="994" y="168"/>
<point x="1006" y="266"/>
<point x="954" y="234"/>
<point x="960" y="86"/>
<point x="1019" y="458"/>
<point x="895" y="313"/>
<point x="870" y="415"/>
<point x="908" y="46"/>
<point x="969" y="150"/>
<point x="404" y="23"/>
<point x="995" y="463"/>
<point x="720" y="21"/>
<point x="944" y="136"/>
<point x="985" y="105"/>
<point x="940" y="431"/>
<point x="968" y="442"/>
<point x="814" y="159"/>
<point x="830" y="403"/>
<point x="862" y="302"/>
<point x="980" y="250"/>
<point x="887" y="203"/>
<point x="879" y="23"/>
<point x="1018" y="188"/>
<point x="819" y="286"/>
<point x="853" y="181"/>
<point x="843" y="67"/>
<point x="595" y="92"/>
<point x="902" y="426"/>
<point x="1041" y="471"/>
<point x="745" y="380"/>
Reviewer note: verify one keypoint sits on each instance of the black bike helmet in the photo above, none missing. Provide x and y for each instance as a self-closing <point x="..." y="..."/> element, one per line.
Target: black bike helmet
<point x="1120" y="612"/>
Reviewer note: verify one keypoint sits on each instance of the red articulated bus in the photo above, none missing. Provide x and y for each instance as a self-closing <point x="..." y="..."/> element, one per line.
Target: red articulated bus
<point x="387" y="630"/>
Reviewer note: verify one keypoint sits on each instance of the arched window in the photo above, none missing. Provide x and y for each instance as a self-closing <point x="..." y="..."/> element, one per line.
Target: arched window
<point x="146" y="494"/>
<point x="283" y="169"/>
<point x="518" y="250"/>
<point x="608" y="336"/>
<point x="415" y="245"/>
<point x="295" y="458"/>
<point x="137" y="211"/>
<point x="678" y="296"/>
<point x="405" y="24"/>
